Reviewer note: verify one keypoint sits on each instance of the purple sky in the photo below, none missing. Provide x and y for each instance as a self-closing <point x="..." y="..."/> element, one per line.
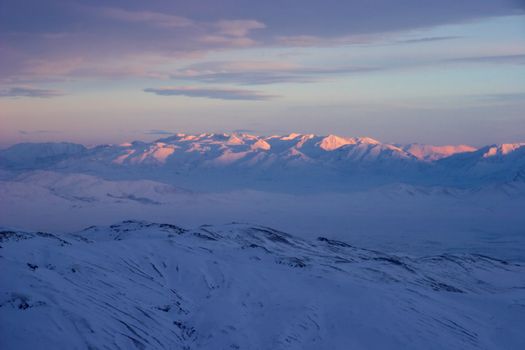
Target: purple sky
<point x="401" y="71"/>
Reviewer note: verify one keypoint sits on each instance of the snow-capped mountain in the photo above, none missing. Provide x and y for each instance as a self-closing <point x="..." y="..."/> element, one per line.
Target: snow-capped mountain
<point x="432" y="153"/>
<point x="33" y="155"/>
<point x="238" y="286"/>
<point x="296" y="160"/>
<point x="495" y="163"/>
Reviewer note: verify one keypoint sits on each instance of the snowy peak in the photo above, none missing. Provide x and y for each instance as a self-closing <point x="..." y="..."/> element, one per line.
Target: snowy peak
<point x="332" y="142"/>
<point x="291" y="136"/>
<point x="501" y="150"/>
<point x="260" y="144"/>
<point x="366" y="140"/>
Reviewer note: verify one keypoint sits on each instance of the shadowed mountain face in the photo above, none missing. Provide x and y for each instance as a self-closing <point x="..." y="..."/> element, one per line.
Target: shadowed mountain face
<point x="143" y="285"/>
<point x="283" y="163"/>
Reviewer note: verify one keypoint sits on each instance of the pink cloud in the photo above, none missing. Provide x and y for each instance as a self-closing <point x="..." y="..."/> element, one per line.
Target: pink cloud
<point x="238" y="28"/>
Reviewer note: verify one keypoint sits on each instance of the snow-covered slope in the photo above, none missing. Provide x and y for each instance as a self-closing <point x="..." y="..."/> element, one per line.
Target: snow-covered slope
<point x="239" y="286"/>
<point x="82" y="188"/>
<point x="34" y="155"/>
<point x="395" y="218"/>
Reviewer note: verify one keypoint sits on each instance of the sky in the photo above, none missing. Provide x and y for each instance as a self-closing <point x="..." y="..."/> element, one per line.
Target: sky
<point x="109" y="71"/>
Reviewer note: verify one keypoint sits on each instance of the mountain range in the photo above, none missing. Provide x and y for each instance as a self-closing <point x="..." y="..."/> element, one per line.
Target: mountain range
<point x="277" y="162"/>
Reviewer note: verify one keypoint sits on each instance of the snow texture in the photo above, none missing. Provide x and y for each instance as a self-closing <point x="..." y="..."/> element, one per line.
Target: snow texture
<point x="238" y="286"/>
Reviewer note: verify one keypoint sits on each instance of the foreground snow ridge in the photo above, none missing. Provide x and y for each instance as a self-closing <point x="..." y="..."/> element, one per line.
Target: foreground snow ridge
<point x="238" y="286"/>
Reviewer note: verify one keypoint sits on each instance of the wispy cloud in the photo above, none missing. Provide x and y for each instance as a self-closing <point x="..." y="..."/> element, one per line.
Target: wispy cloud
<point x="117" y="39"/>
<point x="427" y="39"/>
<point x="30" y="92"/>
<point x="225" y="33"/>
<point x="261" y="72"/>
<point x="322" y="41"/>
<point x="133" y="43"/>
<point x="221" y="94"/>
<point x="38" y="132"/>
<point x="503" y="59"/>
<point x="501" y="97"/>
<point x="153" y="18"/>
